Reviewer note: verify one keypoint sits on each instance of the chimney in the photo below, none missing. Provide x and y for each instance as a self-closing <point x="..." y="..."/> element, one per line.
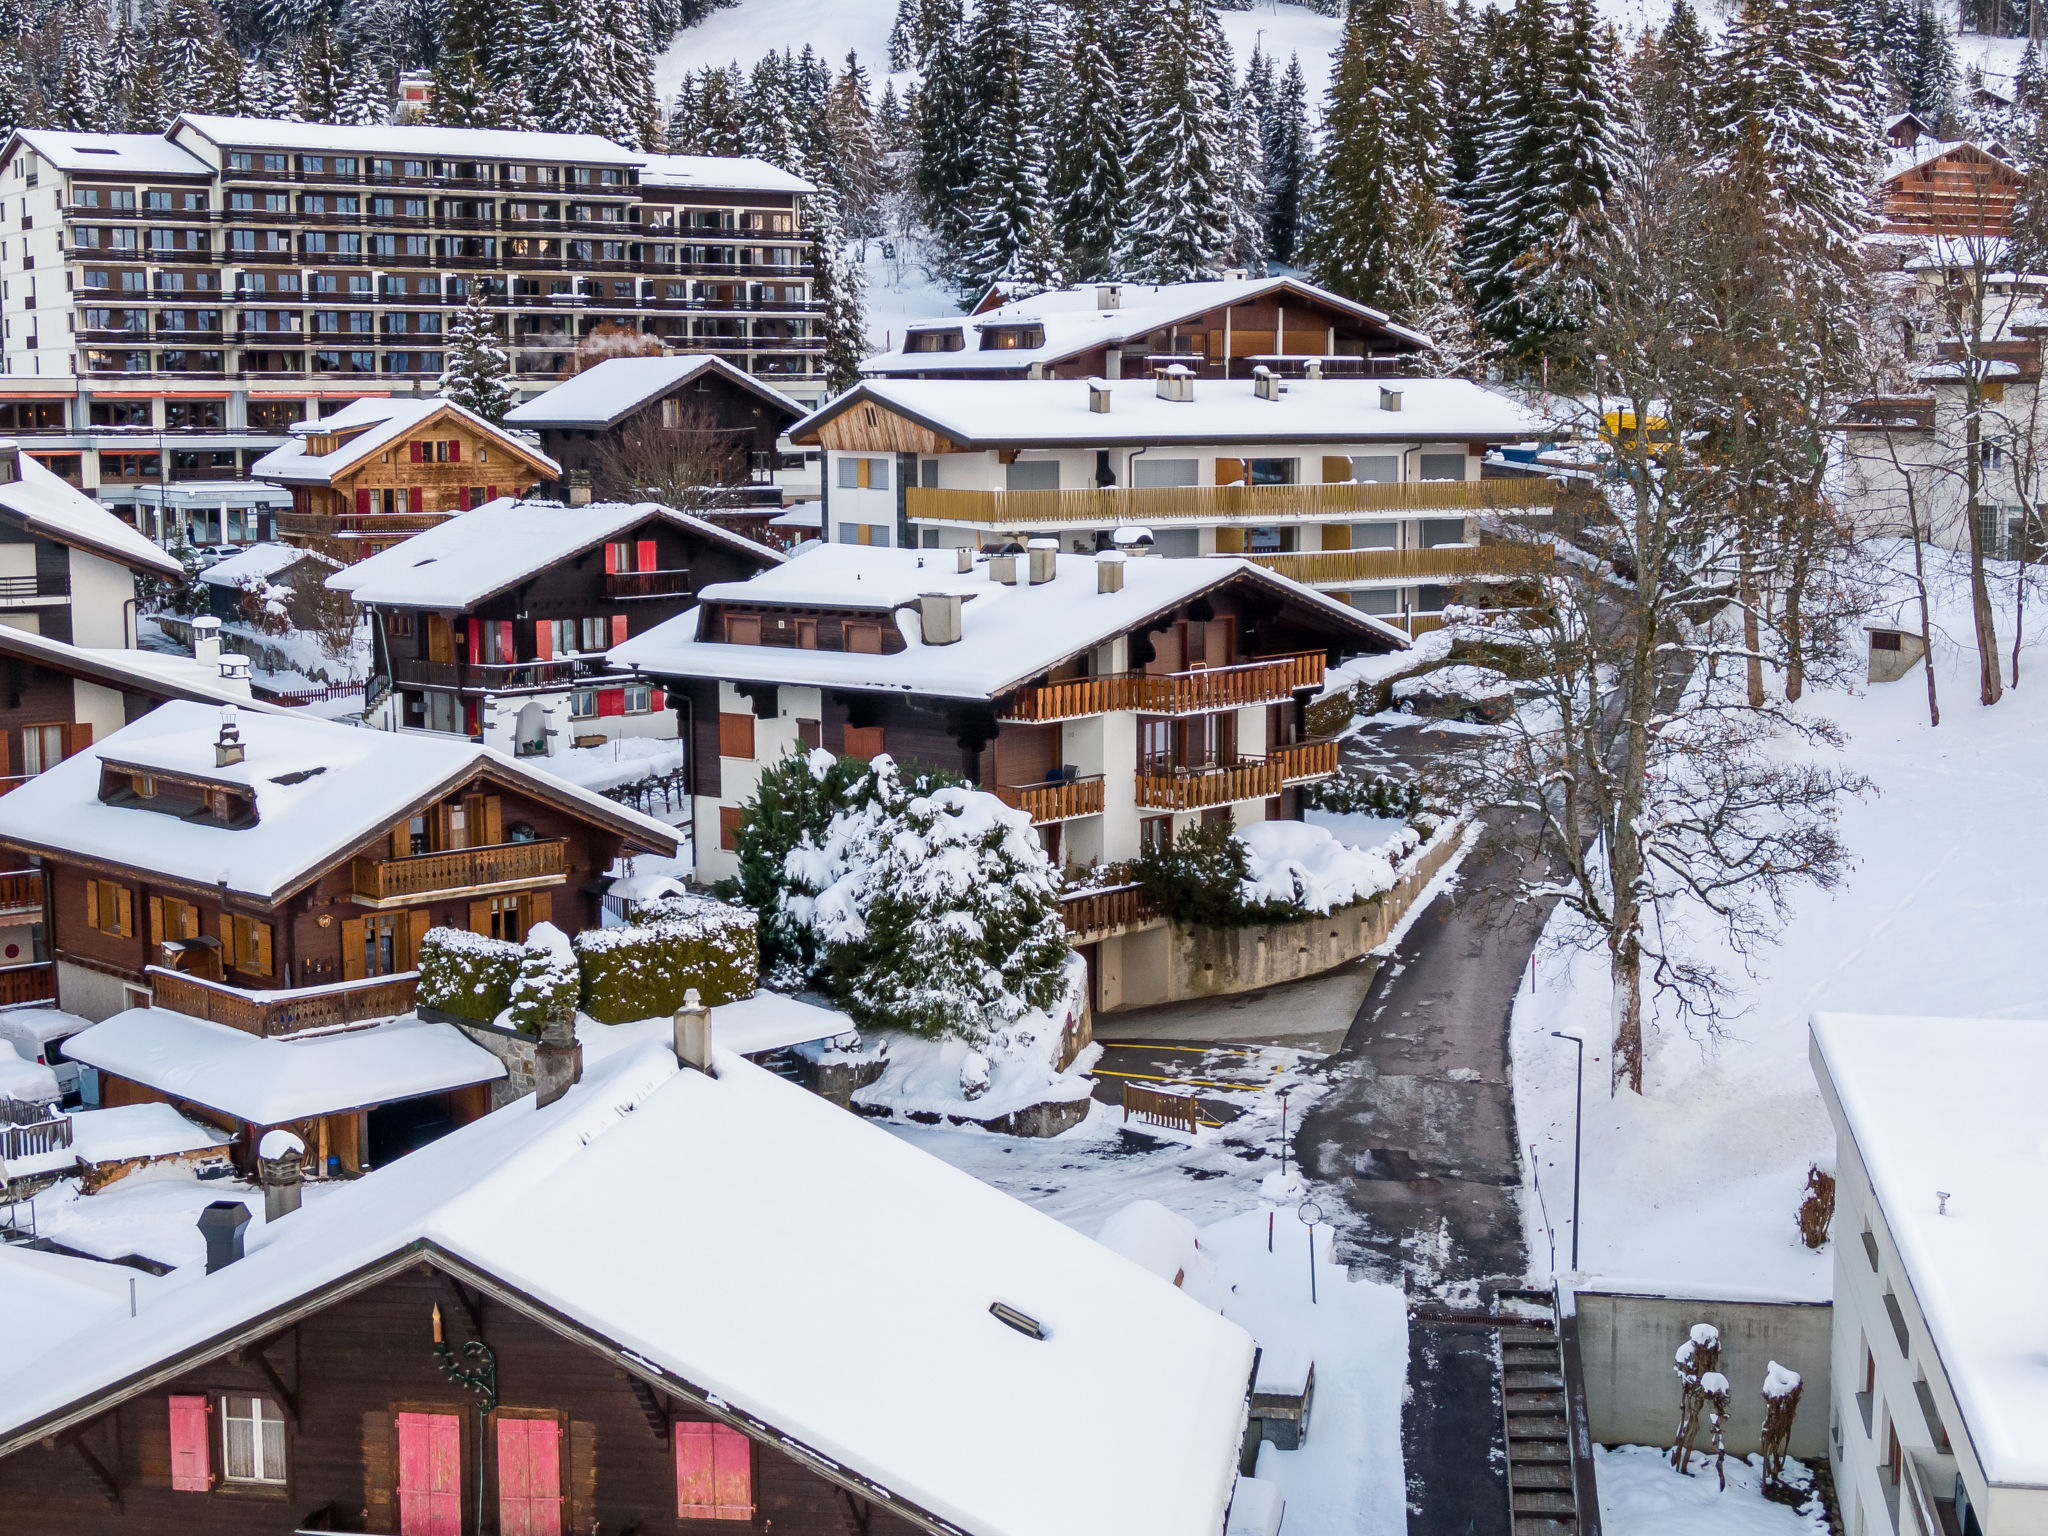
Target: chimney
<point x="234" y="670"/>
<point x="1003" y="568"/>
<point x="1043" y="555"/>
<point x="1265" y="383"/>
<point x="963" y="559"/>
<point x="579" y="487"/>
<point x="1109" y="572"/>
<point x="206" y="641"/>
<point x="1312" y="370"/>
<point x="1390" y="399"/>
<point x="693" y="1032"/>
<point x="1109" y="296"/>
<point x="1134" y="542"/>
<point x="557" y="1061"/>
<point x="1234" y="274"/>
<point x="1099" y="396"/>
<point x="280" y="1169"/>
<point x="221" y="1224"/>
<point x="1176" y="382"/>
<point x="939" y="613"/>
<point x="227" y="747"/>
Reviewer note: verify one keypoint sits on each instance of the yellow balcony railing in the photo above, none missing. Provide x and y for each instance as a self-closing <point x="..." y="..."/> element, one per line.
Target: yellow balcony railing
<point x="1194" y="789"/>
<point x="1110" y="506"/>
<point x="1267" y="680"/>
<point x="1305" y="760"/>
<point x="429" y="874"/>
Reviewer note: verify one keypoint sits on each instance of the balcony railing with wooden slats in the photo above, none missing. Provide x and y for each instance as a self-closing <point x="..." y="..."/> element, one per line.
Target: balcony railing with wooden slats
<point x="1194" y="789"/>
<point x="1097" y="914"/>
<point x="21" y="890"/>
<point x="1304" y="760"/>
<point x="646" y="583"/>
<point x="287" y="1012"/>
<point x="1264" y="680"/>
<point x="1339" y="567"/>
<point x="31" y="983"/>
<point x="1055" y="799"/>
<point x="429" y="874"/>
<point x="1111" y="506"/>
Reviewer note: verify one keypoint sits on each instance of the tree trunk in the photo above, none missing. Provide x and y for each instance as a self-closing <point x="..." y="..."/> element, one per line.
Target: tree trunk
<point x="1990" y="684"/>
<point x="1752" y="638"/>
<point x="1625" y="967"/>
<point x="1795" y="638"/>
<point x="1926" y="626"/>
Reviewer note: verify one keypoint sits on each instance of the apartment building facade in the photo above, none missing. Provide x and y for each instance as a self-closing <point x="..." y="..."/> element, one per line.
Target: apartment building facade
<point x="173" y="303"/>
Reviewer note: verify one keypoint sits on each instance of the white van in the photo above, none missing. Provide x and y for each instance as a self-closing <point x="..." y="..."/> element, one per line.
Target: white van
<point x="38" y="1034"/>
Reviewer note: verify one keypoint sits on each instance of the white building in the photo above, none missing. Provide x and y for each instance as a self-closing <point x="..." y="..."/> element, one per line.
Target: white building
<point x="67" y="567"/>
<point x="1371" y="490"/>
<point x="1939" y="1422"/>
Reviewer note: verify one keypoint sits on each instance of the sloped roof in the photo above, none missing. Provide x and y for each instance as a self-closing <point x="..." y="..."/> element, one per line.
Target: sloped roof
<point x="605" y="394"/>
<point x="118" y="154"/>
<point x="259" y="562"/>
<point x="155" y="673"/>
<point x="724" y="173"/>
<point x="378" y="422"/>
<point x="52" y="508"/>
<point x="853" y="1324"/>
<point x="321" y="788"/>
<point x="475" y="554"/>
<point x="406" y="139"/>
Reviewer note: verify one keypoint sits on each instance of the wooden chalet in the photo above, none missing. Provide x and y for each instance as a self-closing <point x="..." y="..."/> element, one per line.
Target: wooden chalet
<point x="1948" y="189"/>
<point x="524" y="1329"/>
<point x="275" y="873"/>
<point x="496" y="625"/>
<point x="380" y="470"/>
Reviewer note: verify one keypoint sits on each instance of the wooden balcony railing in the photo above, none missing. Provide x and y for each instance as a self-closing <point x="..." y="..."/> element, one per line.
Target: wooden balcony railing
<point x="1095" y="914"/>
<point x="1055" y="799"/>
<point x="646" y="583"/>
<point x="428" y="874"/>
<point x="31" y="983"/>
<point x="1335" y="567"/>
<point x="1194" y="789"/>
<point x="1113" y="505"/>
<point x="325" y="525"/>
<point x="289" y="1012"/>
<point x="1264" y="680"/>
<point x="21" y="890"/>
<point x="1305" y="760"/>
<point x="489" y="674"/>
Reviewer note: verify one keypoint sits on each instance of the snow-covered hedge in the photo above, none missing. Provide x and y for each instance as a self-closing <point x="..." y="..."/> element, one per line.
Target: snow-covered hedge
<point x="1290" y="864"/>
<point x="467" y="974"/>
<point x="548" y="983"/>
<point x="674" y="944"/>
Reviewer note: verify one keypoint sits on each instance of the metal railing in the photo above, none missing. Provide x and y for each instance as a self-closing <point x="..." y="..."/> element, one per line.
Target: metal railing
<point x="35" y="1139"/>
<point x="488" y="674"/>
<point x="1114" y="505"/>
<point x="1054" y="799"/>
<point x="17" y="589"/>
<point x="427" y="874"/>
<point x="287" y="1012"/>
<point x="1263" y="680"/>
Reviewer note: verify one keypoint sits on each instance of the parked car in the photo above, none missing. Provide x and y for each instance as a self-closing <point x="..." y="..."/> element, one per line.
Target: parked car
<point x="38" y="1035"/>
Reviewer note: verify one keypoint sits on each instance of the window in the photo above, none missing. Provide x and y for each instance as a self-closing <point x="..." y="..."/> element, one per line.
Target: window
<point x="736" y="736"/>
<point x="1155" y="832"/>
<point x="863" y="474"/>
<point x="110" y="908"/>
<point x="505" y="920"/>
<point x="1439" y="531"/>
<point x="248" y="944"/>
<point x="714" y="1473"/>
<point x="252" y="1440"/>
<point x="1376" y="468"/>
<point x="1273" y="471"/>
<point x="530" y="1476"/>
<point x="1443" y="466"/>
<point x="583" y="704"/>
<point x="864" y="741"/>
<point x="42" y="746"/>
<point x="639" y="699"/>
<point x="429" y="1473"/>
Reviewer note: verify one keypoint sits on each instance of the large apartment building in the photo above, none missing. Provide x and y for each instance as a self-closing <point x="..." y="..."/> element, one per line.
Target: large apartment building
<point x="170" y="304"/>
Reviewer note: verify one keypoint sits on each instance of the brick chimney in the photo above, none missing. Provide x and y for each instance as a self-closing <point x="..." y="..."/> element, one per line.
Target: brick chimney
<point x="557" y="1061"/>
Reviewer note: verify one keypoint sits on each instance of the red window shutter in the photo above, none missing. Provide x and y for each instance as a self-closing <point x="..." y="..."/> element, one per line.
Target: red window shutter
<point x="415" y="445"/>
<point x="696" y="1478"/>
<point x="529" y="1477"/>
<point x="658" y="699"/>
<point x="419" y="499"/>
<point x="544" y="640"/>
<point x="363" y="500"/>
<point x="508" y="648"/>
<point x="190" y="1468"/>
<point x="611" y="559"/>
<point x="490" y="493"/>
<point x="464" y="494"/>
<point x="732" y="1470"/>
<point x="429" y="1474"/>
<point x="611" y="701"/>
<point x="476" y="641"/>
<point x="643" y="555"/>
<point x="618" y="629"/>
<point x="455" y="450"/>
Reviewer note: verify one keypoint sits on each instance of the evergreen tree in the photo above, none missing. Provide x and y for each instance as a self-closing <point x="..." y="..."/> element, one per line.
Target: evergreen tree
<point x="903" y="49"/>
<point x="945" y="141"/>
<point x="856" y="152"/>
<point x="1930" y="78"/>
<point x="1469" y="75"/>
<point x="1242" y="148"/>
<point x="478" y="372"/>
<point x="82" y="100"/>
<point x="633" y="115"/>
<point x="840" y="291"/>
<point x="1287" y="150"/>
<point x="1179" y="224"/>
<point x="1008" y="197"/>
<point x="1675" y="91"/>
<point x="1091" y="142"/>
<point x="323" y="77"/>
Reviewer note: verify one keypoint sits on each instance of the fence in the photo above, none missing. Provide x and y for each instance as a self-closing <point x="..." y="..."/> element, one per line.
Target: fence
<point x="1156" y="1108"/>
<point x="315" y="695"/>
<point x="35" y="1139"/>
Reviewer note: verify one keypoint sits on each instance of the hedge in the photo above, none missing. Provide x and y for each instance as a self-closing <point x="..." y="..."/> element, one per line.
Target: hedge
<point x="643" y="970"/>
<point x="467" y="974"/>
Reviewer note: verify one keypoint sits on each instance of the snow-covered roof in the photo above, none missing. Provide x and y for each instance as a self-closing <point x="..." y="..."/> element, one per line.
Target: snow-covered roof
<point x="602" y="395"/>
<point x="137" y="1130"/>
<point x="855" y="1319"/>
<point x="117" y="154"/>
<point x="1954" y="1105"/>
<point x="475" y="554"/>
<point x="407" y="139"/>
<point x="1008" y="634"/>
<point x="1054" y="413"/>
<point x="1899" y="162"/>
<point x="269" y="1082"/>
<point x="722" y="173"/>
<point x="1075" y="321"/>
<point x="377" y="422"/>
<point x="320" y="788"/>
<point x="25" y="1081"/>
<point x="1949" y="253"/>
<point x="259" y="562"/>
<point x="155" y="673"/>
<point x="48" y="1299"/>
<point x="767" y="1021"/>
<point x="52" y="508"/>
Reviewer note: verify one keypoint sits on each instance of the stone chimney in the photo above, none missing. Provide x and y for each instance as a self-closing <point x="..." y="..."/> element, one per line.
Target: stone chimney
<point x="1109" y="296"/>
<point x="579" y="487"/>
<point x="280" y="1168"/>
<point x="1109" y="571"/>
<point x="1134" y="542"/>
<point x="206" y="641"/>
<point x="939" y="614"/>
<point x="1099" y="396"/>
<point x="693" y="1032"/>
<point x="1312" y="370"/>
<point x="221" y="1224"/>
<point x="1003" y="568"/>
<point x="963" y="560"/>
<point x="1390" y="399"/>
<point x="227" y="747"/>
<point x="1043" y="556"/>
<point x="1176" y="382"/>
<point x="557" y="1061"/>
<point x="1265" y="383"/>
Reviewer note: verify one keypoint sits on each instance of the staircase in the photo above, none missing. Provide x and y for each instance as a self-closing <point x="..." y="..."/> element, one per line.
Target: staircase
<point x="1540" y="1497"/>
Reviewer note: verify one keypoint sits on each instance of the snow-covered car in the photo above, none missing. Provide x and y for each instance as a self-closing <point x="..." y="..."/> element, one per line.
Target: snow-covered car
<point x="38" y="1035"/>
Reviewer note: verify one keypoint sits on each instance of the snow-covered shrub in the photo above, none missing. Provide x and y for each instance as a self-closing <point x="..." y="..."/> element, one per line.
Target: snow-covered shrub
<point x="1354" y="794"/>
<point x="1295" y="868"/>
<point x="467" y="974"/>
<point x="672" y="945"/>
<point x="546" y="989"/>
<point x="1331" y="713"/>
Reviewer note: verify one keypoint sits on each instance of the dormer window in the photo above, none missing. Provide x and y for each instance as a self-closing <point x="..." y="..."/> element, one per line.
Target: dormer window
<point x="935" y="341"/>
<point x="144" y="784"/>
<point x="1012" y="338"/>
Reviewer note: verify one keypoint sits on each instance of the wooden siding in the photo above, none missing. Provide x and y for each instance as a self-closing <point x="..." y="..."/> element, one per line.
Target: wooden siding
<point x="1961" y="193"/>
<point x="869" y="428"/>
<point x="1114" y="505"/>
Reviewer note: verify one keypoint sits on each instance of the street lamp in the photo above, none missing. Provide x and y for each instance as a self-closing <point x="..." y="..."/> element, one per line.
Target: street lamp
<point x="1578" y="1142"/>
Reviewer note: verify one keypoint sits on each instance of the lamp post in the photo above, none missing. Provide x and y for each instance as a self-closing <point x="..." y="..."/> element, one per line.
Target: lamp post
<point x="1578" y="1142"/>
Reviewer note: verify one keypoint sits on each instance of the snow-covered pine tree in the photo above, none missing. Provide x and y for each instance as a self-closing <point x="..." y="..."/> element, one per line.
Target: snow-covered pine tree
<point x="567" y="67"/>
<point x="903" y="49"/>
<point x="1931" y="79"/>
<point x="890" y="119"/>
<point x="2028" y="93"/>
<point x="1242" y="145"/>
<point x="771" y="120"/>
<point x="1675" y="93"/>
<point x="1510" y="209"/>
<point x="82" y="99"/>
<point x="1287" y="147"/>
<point x="946" y="126"/>
<point x="365" y="98"/>
<point x="633" y="110"/>
<point x="722" y="113"/>
<point x="1091" y="142"/>
<point x="1179" y="224"/>
<point x="478" y="375"/>
<point x="857" y="152"/>
<point x="810" y="90"/>
<point x="323" y="76"/>
<point x="1470" y="76"/>
<point x="840" y="291"/>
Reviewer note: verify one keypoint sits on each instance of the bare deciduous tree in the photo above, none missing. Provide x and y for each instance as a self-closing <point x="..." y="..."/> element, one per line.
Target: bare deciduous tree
<point x="688" y="461"/>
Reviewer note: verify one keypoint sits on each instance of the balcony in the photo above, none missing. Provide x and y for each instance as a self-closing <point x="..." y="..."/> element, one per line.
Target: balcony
<point x="1263" y="680"/>
<point x="501" y="867"/>
<point x="488" y="676"/>
<point x="1112" y="506"/>
<point x="39" y="588"/>
<point x="287" y="1012"/>
<point x="1054" y="799"/>
<point x="1306" y="760"/>
<point x="1090" y="915"/>
<point x="647" y="583"/>
<point x="1344" y="567"/>
<point x="358" y="525"/>
<point x="31" y="983"/>
<point x="21" y="890"/>
<point x="1195" y="789"/>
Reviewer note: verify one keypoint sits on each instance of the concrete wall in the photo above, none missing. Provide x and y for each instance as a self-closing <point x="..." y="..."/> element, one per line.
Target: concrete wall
<point x="1627" y="1343"/>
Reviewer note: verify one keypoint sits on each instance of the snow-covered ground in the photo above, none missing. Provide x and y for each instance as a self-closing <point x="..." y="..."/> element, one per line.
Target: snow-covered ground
<point x="1640" y="1495"/>
<point x="900" y="292"/>
<point x="1694" y="1186"/>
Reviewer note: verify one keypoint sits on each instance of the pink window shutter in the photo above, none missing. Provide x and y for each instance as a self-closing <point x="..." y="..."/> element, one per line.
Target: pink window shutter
<point x="611" y="559"/>
<point x="618" y="629"/>
<point x="659" y="700"/>
<point x="732" y="1468"/>
<point x="529" y="1477"/>
<point x="429" y="1474"/>
<point x="643" y="555"/>
<point x="191" y="1470"/>
<point x="544" y="640"/>
<point x="508" y="648"/>
<point x="476" y="641"/>
<point x="696" y="1481"/>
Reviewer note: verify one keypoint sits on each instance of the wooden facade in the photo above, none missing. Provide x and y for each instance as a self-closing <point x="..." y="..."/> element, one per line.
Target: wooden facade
<point x="575" y="1444"/>
<point x="1963" y="192"/>
<point x="744" y="420"/>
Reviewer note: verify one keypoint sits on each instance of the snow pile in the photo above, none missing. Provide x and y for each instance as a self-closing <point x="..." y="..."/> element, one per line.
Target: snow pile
<point x="1640" y="1495"/>
<point x="1779" y="1382"/>
<point x="1304" y="865"/>
<point x="619" y="762"/>
<point x="1154" y="1238"/>
<point x="26" y="1082"/>
<point x="279" y="1143"/>
<point x="129" y="1131"/>
<point x="1463" y="681"/>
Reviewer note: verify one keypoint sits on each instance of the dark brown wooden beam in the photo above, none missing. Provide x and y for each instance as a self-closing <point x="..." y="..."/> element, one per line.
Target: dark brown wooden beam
<point x="655" y="1406"/>
<point x="109" y="1489"/>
